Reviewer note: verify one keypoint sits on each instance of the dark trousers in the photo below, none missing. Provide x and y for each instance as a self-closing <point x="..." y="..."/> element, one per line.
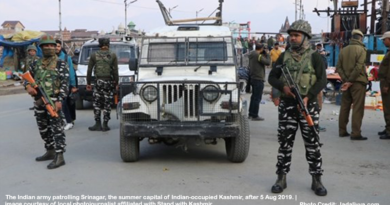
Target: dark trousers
<point x="257" y="93"/>
<point x="69" y="109"/>
<point x="386" y="110"/>
<point x="289" y="121"/>
<point x="354" y="95"/>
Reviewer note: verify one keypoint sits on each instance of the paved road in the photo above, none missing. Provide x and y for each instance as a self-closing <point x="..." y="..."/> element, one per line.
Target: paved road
<point x="354" y="171"/>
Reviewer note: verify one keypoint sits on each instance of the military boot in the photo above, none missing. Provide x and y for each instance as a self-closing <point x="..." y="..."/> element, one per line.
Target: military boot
<point x="280" y="184"/>
<point x="105" y="126"/>
<point x="96" y="127"/>
<point x="50" y="154"/>
<point x="57" y="162"/>
<point x="317" y="186"/>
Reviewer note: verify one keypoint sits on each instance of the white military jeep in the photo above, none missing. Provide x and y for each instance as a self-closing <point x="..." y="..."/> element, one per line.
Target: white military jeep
<point x="186" y="88"/>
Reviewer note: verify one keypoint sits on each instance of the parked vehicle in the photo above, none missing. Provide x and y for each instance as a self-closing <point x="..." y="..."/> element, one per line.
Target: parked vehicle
<point x="124" y="47"/>
<point x="186" y="89"/>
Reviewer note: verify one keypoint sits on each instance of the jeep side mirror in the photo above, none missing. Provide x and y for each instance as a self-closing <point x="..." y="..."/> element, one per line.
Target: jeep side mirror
<point x="133" y="64"/>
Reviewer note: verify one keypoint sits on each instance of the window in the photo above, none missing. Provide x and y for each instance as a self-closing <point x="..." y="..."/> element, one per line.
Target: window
<point x="123" y="53"/>
<point x="166" y="52"/>
<point x="178" y="52"/>
<point x="207" y="51"/>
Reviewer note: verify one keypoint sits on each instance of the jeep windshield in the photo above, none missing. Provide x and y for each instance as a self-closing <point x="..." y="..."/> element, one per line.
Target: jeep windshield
<point x="123" y="53"/>
<point x="187" y="51"/>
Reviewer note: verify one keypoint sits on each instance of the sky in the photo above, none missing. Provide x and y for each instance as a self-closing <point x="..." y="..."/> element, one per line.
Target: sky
<point x="105" y="15"/>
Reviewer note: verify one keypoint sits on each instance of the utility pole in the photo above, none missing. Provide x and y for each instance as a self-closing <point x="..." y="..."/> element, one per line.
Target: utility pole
<point x="61" y="38"/>
<point x="385" y="7"/>
<point x="127" y="5"/>
<point x="197" y="12"/>
<point x="170" y="9"/>
<point x="296" y="10"/>
<point x="299" y="10"/>
<point x="373" y="17"/>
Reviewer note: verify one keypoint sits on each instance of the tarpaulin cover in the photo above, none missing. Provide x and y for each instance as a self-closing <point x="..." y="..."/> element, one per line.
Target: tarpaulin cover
<point x="24" y="39"/>
<point x="26" y="35"/>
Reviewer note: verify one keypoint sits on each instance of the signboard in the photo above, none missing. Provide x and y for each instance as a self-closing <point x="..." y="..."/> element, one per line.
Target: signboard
<point x="349" y="3"/>
<point x="376" y="58"/>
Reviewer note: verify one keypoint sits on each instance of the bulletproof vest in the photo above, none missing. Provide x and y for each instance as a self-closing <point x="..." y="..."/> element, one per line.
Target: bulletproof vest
<point x="103" y="64"/>
<point x="29" y="61"/>
<point x="302" y="72"/>
<point x="49" y="77"/>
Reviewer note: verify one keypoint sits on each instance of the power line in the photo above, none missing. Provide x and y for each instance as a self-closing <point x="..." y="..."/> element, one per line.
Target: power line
<point x="135" y="6"/>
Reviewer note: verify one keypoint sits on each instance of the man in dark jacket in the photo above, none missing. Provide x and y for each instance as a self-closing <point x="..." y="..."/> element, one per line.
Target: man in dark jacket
<point x="384" y="79"/>
<point x="352" y="70"/>
<point x="258" y="59"/>
<point x="308" y="71"/>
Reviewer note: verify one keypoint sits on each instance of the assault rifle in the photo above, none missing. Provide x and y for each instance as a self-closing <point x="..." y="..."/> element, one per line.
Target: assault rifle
<point x="301" y="105"/>
<point x="41" y="93"/>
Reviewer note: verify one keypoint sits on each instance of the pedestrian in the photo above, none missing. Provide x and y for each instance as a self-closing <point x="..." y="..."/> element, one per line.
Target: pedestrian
<point x="307" y="69"/>
<point x="238" y="46"/>
<point x="275" y="53"/>
<point x="30" y="59"/>
<point x="384" y="79"/>
<point x="68" y="108"/>
<point x="244" y="43"/>
<point x="352" y="70"/>
<point x="323" y="54"/>
<point x="258" y="59"/>
<point x="251" y="44"/>
<point x="319" y="47"/>
<point x="105" y="66"/>
<point x="52" y="74"/>
<point x="270" y="42"/>
<point x="75" y="58"/>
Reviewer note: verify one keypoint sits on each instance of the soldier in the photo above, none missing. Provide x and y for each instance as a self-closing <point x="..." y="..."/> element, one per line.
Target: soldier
<point x="52" y="74"/>
<point x="352" y="70"/>
<point x="384" y="78"/>
<point x="31" y="57"/>
<point x="308" y="71"/>
<point x="105" y="66"/>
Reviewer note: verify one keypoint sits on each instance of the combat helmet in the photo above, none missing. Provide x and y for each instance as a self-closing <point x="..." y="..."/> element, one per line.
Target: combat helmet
<point x="301" y="26"/>
<point x="31" y="47"/>
<point x="104" y="42"/>
<point x="47" y="39"/>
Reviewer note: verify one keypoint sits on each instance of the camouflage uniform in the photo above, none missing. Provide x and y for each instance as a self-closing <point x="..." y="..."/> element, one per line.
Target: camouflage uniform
<point x="30" y="59"/>
<point x="308" y="72"/>
<point x="52" y="75"/>
<point x="51" y="129"/>
<point x="105" y="67"/>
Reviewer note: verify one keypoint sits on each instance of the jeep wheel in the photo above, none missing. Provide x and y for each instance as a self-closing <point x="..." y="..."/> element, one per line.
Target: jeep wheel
<point x="79" y="104"/>
<point x="129" y="147"/>
<point x="237" y="148"/>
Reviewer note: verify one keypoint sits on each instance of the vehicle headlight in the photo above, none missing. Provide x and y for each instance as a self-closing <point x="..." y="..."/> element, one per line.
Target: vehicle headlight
<point x="149" y="93"/>
<point x="124" y="79"/>
<point x="210" y="96"/>
<point x="81" y="80"/>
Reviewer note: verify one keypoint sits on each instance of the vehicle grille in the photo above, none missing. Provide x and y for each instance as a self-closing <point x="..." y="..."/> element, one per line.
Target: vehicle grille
<point x="187" y="94"/>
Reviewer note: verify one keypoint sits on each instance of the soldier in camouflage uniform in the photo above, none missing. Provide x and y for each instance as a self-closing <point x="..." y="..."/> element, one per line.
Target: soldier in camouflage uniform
<point x="52" y="74"/>
<point x="31" y="57"/>
<point x="308" y="71"/>
<point x="105" y="66"/>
